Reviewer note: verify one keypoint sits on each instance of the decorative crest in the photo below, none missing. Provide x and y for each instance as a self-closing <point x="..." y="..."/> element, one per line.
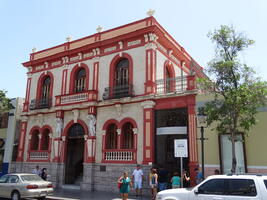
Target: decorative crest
<point x="68" y="39"/>
<point x="150" y="12"/>
<point x="34" y="49"/>
<point x="99" y="28"/>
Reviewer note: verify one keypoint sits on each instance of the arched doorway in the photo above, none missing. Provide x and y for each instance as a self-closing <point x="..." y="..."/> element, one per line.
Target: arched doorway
<point x="74" y="157"/>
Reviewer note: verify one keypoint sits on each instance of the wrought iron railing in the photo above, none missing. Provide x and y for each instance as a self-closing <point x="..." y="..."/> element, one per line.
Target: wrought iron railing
<point x="118" y="91"/>
<point x="40" y="103"/>
<point x="177" y="84"/>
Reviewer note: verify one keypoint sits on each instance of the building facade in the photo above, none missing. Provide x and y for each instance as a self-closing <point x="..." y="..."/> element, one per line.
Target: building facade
<point x="3" y="135"/>
<point x="250" y="146"/>
<point x="99" y="105"/>
<point x="12" y="134"/>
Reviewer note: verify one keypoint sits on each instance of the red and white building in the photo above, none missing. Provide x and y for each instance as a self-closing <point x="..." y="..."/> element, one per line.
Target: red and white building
<point x="99" y="105"/>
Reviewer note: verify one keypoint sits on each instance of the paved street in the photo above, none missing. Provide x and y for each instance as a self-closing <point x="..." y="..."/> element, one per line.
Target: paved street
<point x="76" y="195"/>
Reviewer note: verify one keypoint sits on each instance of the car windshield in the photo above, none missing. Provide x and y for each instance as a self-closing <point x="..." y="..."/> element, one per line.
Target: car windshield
<point x="265" y="182"/>
<point x="33" y="177"/>
<point x="4" y="178"/>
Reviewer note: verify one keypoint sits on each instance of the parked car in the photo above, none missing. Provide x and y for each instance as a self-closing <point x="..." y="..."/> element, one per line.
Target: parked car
<point x="222" y="187"/>
<point x="17" y="186"/>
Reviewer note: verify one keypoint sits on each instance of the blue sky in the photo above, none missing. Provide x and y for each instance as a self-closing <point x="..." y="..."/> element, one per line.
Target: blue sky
<point x="43" y="24"/>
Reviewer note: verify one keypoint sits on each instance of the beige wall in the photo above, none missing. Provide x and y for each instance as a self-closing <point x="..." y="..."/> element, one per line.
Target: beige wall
<point x="3" y="132"/>
<point x="255" y="142"/>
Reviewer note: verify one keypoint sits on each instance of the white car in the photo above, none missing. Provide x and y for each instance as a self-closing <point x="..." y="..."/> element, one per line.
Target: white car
<point x="17" y="186"/>
<point x="221" y="187"/>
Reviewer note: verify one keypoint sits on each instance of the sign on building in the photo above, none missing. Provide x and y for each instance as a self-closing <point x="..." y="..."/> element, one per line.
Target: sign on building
<point x="180" y="148"/>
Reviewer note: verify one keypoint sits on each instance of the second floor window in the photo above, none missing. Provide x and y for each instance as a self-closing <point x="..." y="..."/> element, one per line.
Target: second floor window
<point x="80" y="80"/>
<point x="122" y="72"/>
<point x="168" y="81"/>
<point x="46" y="87"/>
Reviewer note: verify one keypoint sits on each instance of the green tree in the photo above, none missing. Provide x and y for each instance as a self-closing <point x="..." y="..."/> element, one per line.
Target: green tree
<point x="237" y="92"/>
<point x="5" y="104"/>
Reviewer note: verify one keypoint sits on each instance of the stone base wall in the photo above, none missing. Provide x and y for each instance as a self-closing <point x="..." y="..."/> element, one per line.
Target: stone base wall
<point x="55" y="170"/>
<point x="96" y="176"/>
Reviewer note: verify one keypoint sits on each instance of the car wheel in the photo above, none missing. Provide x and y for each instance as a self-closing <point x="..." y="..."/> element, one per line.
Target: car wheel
<point x="15" y="195"/>
<point x="41" y="198"/>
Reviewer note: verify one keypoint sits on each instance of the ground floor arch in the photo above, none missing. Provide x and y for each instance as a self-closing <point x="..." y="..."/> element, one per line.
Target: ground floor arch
<point x="74" y="154"/>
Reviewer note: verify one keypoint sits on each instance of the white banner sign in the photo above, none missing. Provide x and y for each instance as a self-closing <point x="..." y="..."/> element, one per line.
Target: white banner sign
<point x="174" y="130"/>
<point x="180" y="148"/>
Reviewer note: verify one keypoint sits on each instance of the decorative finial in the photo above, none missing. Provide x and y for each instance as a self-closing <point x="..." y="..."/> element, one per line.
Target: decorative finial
<point x="99" y="29"/>
<point x="34" y="49"/>
<point x="68" y="39"/>
<point x="150" y="12"/>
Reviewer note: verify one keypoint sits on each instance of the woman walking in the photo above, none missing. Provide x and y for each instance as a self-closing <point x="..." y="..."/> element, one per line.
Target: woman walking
<point x="125" y="185"/>
<point x="186" y="179"/>
<point x="153" y="182"/>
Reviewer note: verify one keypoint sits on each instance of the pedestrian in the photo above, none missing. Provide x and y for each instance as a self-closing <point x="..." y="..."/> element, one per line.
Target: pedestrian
<point x="216" y="171"/>
<point x="186" y="179"/>
<point x="163" y="179"/>
<point x="44" y="174"/>
<point x="199" y="176"/>
<point x="37" y="170"/>
<point x="125" y="185"/>
<point x="137" y="177"/>
<point x="176" y="181"/>
<point x="153" y="182"/>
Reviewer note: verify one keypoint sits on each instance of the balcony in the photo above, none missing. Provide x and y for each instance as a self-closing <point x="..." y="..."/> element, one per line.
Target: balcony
<point x="80" y="97"/>
<point x="40" y="103"/>
<point x="38" y="155"/>
<point x="119" y="155"/>
<point x="118" y="91"/>
<point x="175" y="85"/>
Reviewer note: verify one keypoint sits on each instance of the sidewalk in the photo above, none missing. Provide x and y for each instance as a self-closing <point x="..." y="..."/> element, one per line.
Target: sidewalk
<point x="68" y="194"/>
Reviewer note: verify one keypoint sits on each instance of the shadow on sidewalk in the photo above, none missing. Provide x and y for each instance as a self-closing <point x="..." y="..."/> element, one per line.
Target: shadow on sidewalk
<point x="67" y="194"/>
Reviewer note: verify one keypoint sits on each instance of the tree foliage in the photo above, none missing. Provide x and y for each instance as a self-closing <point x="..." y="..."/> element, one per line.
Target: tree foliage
<point x="5" y="104"/>
<point x="238" y="93"/>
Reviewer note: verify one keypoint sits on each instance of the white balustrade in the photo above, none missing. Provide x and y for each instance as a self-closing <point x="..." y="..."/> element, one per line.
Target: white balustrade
<point x="74" y="98"/>
<point x="119" y="156"/>
<point x="37" y="155"/>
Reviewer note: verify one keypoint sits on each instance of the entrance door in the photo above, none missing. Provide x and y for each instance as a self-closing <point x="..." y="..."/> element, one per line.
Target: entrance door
<point x="170" y="124"/>
<point x="165" y="153"/>
<point x="75" y="152"/>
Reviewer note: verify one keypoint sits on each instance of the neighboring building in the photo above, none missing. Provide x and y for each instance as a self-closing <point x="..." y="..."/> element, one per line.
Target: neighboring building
<point x="3" y="134"/>
<point x="12" y="133"/>
<point x="250" y="147"/>
<point x="97" y="106"/>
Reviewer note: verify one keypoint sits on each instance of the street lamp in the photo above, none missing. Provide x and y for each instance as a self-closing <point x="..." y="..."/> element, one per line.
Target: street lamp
<point x="202" y="123"/>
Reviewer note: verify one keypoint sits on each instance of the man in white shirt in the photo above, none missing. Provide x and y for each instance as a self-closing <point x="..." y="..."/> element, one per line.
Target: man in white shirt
<point x="37" y="171"/>
<point x="137" y="177"/>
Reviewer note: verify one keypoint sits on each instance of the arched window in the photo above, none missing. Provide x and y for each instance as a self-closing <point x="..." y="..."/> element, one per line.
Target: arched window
<point x="111" y="137"/>
<point x="76" y="131"/>
<point x="35" y="140"/>
<point x="122" y="72"/>
<point x="127" y="136"/>
<point x="169" y="76"/>
<point x="45" y="140"/>
<point x="46" y="87"/>
<point x="80" y="80"/>
<point x="168" y="80"/>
